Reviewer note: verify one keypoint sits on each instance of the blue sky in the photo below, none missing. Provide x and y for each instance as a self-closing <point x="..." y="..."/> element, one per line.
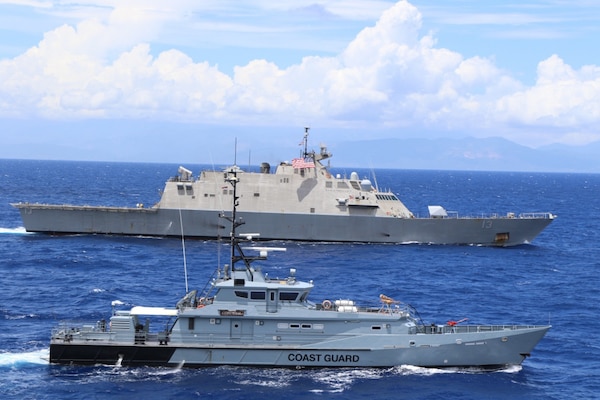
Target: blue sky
<point x="181" y="80"/>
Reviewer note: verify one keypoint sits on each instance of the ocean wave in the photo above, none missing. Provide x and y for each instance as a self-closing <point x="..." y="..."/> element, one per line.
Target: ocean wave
<point x="15" y="231"/>
<point x="37" y="357"/>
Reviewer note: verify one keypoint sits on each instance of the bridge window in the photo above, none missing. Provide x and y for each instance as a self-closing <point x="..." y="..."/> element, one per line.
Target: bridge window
<point x="257" y="295"/>
<point x="288" y="296"/>
<point x="389" y="197"/>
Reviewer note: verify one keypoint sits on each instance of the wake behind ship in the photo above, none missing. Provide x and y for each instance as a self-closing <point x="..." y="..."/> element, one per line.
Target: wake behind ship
<point x="301" y="201"/>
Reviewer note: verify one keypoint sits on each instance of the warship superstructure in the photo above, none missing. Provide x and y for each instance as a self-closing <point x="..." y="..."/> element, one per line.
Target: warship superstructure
<point x="301" y="201"/>
<point x="247" y="318"/>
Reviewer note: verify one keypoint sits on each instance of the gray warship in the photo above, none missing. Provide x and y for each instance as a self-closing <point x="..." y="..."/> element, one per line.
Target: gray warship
<point x="246" y="318"/>
<point x="301" y="201"/>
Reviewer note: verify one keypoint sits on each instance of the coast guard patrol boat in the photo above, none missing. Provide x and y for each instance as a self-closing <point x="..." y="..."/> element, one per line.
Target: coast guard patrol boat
<point x="247" y="318"/>
<point x="302" y="200"/>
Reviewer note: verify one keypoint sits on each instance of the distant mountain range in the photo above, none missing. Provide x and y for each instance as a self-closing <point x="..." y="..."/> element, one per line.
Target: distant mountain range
<point x="490" y="154"/>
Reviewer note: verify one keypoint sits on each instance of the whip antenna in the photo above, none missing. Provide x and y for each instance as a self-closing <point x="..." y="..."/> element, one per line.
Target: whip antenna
<point x="183" y="250"/>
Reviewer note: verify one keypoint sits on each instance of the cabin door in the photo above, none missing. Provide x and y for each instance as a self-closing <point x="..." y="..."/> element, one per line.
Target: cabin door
<point x="271" y="300"/>
<point x="236" y="328"/>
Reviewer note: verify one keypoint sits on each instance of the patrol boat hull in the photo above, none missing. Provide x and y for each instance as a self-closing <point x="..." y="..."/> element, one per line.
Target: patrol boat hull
<point x="302" y="200"/>
<point x="492" y="351"/>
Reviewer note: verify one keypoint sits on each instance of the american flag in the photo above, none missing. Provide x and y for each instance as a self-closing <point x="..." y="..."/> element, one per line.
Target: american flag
<point x="302" y="163"/>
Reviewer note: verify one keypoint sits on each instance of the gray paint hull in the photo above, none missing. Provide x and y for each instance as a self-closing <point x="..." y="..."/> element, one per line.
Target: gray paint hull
<point x="491" y="350"/>
<point x="281" y="226"/>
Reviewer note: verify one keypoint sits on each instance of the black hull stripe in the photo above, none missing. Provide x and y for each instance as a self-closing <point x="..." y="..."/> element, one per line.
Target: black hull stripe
<point x="111" y="355"/>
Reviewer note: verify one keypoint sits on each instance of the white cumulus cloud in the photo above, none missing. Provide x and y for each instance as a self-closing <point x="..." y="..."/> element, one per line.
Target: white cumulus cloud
<point x="390" y="74"/>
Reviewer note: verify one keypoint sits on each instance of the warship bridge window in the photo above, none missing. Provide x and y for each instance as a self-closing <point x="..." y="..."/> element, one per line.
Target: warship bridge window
<point x="189" y="189"/>
<point x="191" y="323"/>
<point x="241" y="294"/>
<point x="256" y="194"/>
<point x="180" y="189"/>
<point x="342" y="185"/>
<point x="389" y="197"/>
<point x="328" y="184"/>
<point x="257" y="295"/>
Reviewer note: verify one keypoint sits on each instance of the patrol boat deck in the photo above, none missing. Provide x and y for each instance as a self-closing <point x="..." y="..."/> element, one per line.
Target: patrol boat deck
<point x="302" y="201"/>
<point x="248" y="318"/>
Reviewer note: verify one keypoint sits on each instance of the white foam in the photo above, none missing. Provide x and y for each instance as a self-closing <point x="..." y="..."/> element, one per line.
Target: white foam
<point x="15" y="231"/>
<point x="512" y="369"/>
<point x="413" y="370"/>
<point x="340" y="380"/>
<point x="38" y="357"/>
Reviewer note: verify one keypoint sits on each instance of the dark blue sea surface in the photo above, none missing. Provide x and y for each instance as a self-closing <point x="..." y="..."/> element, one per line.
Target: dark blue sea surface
<point x="47" y="279"/>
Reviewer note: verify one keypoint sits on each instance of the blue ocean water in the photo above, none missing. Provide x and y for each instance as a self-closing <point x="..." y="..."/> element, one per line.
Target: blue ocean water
<point x="46" y="279"/>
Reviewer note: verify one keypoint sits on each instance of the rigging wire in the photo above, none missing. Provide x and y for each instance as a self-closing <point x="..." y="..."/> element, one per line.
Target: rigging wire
<point x="183" y="250"/>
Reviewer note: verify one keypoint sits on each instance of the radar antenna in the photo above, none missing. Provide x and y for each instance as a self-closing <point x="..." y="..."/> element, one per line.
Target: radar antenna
<point x="305" y="140"/>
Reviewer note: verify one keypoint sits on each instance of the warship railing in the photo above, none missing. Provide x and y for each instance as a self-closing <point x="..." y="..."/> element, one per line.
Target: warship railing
<point x="508" y="215"/>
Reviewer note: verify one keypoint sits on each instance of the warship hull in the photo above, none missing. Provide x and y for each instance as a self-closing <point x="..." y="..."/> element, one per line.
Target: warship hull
<point x="493" y="350"/>
<point x="489" y="231"/>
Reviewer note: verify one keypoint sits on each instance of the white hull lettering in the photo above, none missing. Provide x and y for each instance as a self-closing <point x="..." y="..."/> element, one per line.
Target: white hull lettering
<point x="328" y="358"/>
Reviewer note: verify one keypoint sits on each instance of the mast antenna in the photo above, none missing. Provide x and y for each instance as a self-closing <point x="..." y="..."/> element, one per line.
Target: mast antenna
<point x="375" y="178"/>
<point x="306" y="129"/>
<point x="235" y="152"/>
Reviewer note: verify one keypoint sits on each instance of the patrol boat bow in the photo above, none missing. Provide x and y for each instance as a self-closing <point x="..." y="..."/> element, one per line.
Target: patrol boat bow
<point x="247" y="318"/>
